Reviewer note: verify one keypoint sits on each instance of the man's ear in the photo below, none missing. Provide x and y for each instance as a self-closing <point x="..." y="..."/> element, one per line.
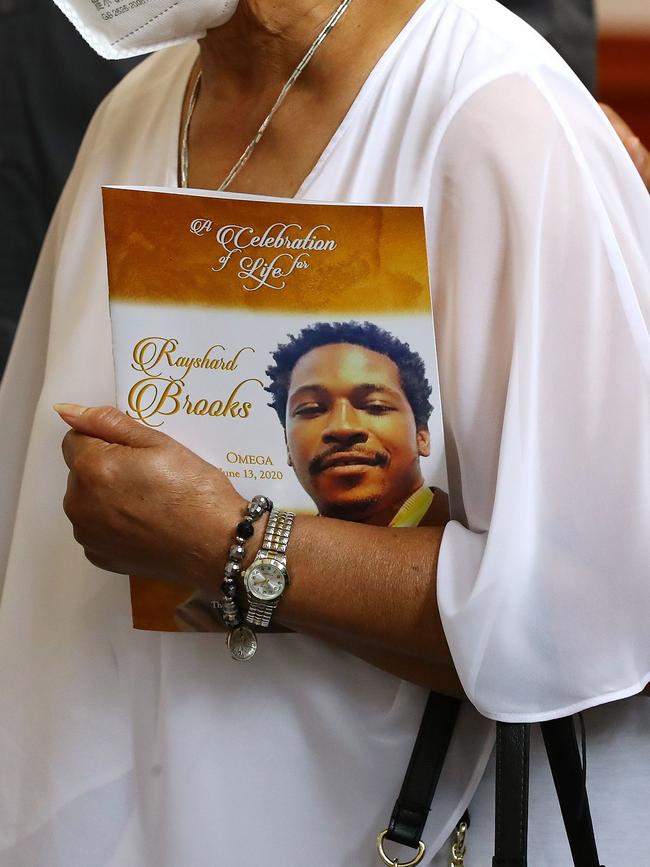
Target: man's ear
<point x="424" y="442"/>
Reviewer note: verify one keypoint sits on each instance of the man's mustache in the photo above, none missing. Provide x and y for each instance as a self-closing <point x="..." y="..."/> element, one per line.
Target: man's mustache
<point x="342" y="455"/>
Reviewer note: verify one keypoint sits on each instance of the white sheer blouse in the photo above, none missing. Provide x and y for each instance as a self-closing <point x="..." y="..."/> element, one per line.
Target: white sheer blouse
<point x="126" y="749"/>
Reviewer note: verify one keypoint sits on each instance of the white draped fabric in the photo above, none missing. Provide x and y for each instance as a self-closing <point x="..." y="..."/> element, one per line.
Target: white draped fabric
<point x="127" y="749"/>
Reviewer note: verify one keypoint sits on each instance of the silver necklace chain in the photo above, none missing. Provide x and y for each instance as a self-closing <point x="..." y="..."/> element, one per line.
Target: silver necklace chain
<point x="331" y="23"/>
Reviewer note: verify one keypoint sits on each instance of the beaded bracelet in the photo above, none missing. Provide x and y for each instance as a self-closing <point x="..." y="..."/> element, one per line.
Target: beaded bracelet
<point x="241" y="640"/>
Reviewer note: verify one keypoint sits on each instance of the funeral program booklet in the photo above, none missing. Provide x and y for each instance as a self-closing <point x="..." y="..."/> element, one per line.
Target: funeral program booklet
<point x="290" y="344"/>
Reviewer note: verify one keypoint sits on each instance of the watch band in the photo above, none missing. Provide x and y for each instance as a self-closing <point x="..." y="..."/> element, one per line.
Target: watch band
<point x="274" y="547"/>
<point x="276" y="537"/>
<point x="259" y="613"/>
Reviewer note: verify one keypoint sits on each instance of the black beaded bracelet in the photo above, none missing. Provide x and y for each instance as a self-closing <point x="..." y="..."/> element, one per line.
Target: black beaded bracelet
<point x="228" y="607"/>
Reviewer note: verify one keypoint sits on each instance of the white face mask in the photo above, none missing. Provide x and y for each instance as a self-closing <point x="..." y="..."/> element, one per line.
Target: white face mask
<point x="125" y="28"/>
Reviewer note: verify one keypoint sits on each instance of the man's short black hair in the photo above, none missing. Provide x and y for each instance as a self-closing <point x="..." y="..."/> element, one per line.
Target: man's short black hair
<point x="410" y="365"/>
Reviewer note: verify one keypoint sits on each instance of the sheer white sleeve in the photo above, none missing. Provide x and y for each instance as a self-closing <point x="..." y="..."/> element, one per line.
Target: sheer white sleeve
<point x="541" y="259"/>
<point x="26" y="369"/>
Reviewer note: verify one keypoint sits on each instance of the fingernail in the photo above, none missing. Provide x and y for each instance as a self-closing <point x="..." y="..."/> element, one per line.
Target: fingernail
<point x="71" y="410"/>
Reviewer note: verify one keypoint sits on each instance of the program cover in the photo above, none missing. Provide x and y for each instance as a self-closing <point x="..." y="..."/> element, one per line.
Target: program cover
<point x="289" y="343"/>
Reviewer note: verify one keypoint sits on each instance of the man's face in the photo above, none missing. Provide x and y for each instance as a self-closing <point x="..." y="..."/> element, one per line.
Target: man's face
<point x="351" y="434"/>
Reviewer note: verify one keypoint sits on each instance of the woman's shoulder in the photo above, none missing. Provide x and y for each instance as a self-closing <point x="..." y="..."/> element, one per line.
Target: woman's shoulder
<point x="153" y="84"/>
<point x="480" y="37"/>
<point x="132" y="137"/>
<point x="454" y="49"/>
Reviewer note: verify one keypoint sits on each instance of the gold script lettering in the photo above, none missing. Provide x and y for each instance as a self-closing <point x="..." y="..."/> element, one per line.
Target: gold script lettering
<point x="154" y="396"/>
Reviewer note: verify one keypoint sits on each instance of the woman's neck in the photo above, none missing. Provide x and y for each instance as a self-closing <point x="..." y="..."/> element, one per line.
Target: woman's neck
<point x="258" y="49"/>
<point x="246" y="62"/>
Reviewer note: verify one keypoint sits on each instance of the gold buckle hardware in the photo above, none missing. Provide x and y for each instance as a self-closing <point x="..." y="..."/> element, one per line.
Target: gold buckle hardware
<point x="395" y="862"/>
<point x="459" y="847"/>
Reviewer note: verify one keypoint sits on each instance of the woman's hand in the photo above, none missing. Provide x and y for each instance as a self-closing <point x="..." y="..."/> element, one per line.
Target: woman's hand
<point x="141" y="503"/>
<point x="634" y="146"/>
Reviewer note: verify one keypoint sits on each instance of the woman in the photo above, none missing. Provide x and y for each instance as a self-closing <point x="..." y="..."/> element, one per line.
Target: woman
<point x="537" y="226"/>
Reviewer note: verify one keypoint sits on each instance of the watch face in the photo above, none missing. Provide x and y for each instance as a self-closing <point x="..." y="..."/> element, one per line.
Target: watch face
<point x="265" y="581"/>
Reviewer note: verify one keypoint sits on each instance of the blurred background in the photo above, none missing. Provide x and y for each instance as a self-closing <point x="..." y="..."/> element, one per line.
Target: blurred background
<point x="624" y="60"/>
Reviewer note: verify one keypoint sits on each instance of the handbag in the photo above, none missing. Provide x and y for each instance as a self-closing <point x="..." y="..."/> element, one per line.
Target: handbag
<point x="568" y="769"/>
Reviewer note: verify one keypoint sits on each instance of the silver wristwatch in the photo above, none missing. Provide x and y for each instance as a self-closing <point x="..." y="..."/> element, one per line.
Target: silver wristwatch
<point x="266" y="578"/>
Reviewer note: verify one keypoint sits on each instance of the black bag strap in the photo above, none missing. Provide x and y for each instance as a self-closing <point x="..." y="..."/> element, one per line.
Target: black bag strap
<point x="421" y="779"/>
<point x="511" y="819"/>
<point x="512" y="772"/>
<point x="569" y="778"/>
<point x="511" y="799"/>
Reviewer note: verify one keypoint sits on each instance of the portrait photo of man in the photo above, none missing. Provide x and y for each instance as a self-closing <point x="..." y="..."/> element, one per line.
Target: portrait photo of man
<point x="354" y="402"/>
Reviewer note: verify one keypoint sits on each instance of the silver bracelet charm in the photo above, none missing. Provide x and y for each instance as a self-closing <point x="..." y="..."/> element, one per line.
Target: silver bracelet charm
<point x="241" y="639"/>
